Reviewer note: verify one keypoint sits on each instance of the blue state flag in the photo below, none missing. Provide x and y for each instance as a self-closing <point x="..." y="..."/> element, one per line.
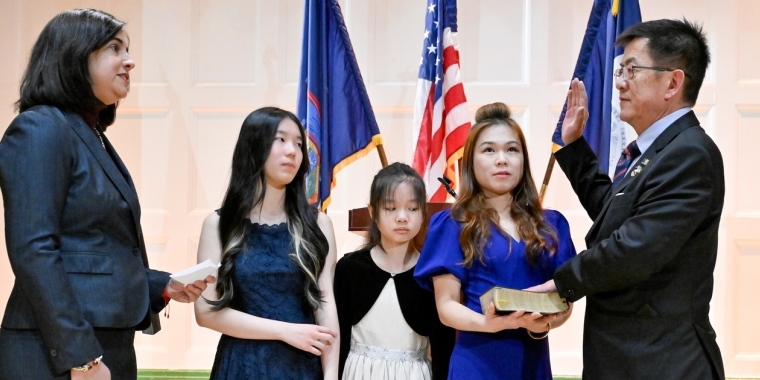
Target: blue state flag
<point x="599" y="57"/>
<point x="333" y="104"/>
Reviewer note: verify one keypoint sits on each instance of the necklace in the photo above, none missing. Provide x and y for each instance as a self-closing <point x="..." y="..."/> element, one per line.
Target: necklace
<point x="100" y="136"/>
<point x="383" y="262"/>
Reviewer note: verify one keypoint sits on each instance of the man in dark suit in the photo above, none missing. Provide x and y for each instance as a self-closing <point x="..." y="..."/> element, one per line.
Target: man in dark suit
<point x="647" y="274"/>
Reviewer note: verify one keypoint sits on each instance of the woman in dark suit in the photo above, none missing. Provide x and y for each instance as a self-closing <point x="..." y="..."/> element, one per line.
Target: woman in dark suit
<point x="72" y="218"/>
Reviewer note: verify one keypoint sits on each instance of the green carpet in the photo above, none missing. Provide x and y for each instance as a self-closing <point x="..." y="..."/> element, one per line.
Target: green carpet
<point x="168" y="374"/>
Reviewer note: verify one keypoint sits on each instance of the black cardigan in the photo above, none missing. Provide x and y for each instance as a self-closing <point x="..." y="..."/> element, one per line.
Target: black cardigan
<point x="358" y="283"/>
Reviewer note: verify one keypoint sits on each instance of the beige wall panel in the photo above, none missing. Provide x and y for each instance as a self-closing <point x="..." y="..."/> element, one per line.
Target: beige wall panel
<point x="148" y="130"/>
<point x="557" y="194"/>
<point x="395" y="31"/>
<point x="700" y="11"/>
<point x="567" y="26"/>
<point x="741" y="348"/>
<point x="165" y="55"/>
<point x="215" y="139"/>
<point x="494" y="48"/>
<point x="747" y="342"/>
<point x="749" y="130"/>
<point x="15" y="54"/>
<point x="10" y="44"/>
<point x="290" y="36"/>
<point x="749" y="51"/>
<point x="741" y="351"/>
<point x="227" y="42"/>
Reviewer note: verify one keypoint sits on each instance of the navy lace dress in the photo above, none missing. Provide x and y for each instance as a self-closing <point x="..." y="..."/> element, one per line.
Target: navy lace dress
<point x="268" y="284"/>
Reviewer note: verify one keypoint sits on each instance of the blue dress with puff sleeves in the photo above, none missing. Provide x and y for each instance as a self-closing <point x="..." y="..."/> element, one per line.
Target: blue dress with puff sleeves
<point x="507" y="354"/>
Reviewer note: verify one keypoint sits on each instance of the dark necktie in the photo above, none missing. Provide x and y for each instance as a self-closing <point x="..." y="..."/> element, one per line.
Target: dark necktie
<point x="626" y="157"/>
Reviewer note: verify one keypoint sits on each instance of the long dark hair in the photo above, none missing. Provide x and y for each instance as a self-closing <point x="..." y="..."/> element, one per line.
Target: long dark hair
<point x="471" y="208"/>
<point x="58" y="71"/>
<point x="246" y="190"/>
<point x="383" y="187"/>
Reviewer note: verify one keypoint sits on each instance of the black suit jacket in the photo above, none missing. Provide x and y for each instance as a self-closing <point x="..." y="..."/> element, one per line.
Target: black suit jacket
<point x="648" y="270"/>
<point x="72" y="225"/>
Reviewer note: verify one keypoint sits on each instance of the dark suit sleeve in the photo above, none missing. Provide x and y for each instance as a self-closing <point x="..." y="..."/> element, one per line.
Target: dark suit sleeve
<point x="341" y="290"/>
<point x="674" y="201"/>
<point x="157" y="281"/>
<point x="580" y="165"/>
<point x="35" y="172"/>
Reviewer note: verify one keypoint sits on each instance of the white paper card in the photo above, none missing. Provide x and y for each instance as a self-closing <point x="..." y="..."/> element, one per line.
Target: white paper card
<point x="198" y="272"/>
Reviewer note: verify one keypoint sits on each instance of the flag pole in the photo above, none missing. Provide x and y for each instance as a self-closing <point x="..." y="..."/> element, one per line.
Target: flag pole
<point x="381" y="153"/>
<point x="547" y="177"/>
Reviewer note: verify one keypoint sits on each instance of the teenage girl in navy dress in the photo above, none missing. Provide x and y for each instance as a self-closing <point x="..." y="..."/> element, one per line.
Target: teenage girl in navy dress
<point x="273" y="301"/>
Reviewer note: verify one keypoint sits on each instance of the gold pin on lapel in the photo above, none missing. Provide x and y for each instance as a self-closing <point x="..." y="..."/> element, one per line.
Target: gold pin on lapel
<point x="636" y="171"/>
<point x="645" y="162"/>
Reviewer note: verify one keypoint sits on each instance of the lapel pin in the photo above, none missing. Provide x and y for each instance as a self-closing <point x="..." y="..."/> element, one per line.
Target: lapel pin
<point x="636" y="171"/>
<point x="645" y="162"/>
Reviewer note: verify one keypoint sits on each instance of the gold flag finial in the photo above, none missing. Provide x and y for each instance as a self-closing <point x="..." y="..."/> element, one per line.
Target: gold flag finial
<point x="615" y="7"/>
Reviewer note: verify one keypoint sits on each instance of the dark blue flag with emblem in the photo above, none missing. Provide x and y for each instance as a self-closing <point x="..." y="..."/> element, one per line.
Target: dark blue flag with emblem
<point x="599" y="57"/>
<point x="332" y="101"/>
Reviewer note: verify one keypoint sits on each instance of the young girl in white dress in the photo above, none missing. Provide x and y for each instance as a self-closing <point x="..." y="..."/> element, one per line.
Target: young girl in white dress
<point x="389" y="326"/>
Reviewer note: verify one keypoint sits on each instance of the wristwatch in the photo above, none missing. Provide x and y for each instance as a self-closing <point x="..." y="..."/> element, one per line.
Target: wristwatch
<point x="86" y="367"/>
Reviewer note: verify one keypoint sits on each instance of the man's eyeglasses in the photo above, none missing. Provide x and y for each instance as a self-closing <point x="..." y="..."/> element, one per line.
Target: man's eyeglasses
<point x="629" y="72"/>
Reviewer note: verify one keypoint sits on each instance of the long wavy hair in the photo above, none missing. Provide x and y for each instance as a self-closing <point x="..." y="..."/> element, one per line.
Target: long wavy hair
<point x="247" y="189"/>
<point x="473" y="211"/>
<point x="383" y="187"/>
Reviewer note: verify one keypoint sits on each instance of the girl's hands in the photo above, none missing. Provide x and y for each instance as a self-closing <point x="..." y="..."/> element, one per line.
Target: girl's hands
<point x="535" y="322"/>
<point x="310" y="338"/>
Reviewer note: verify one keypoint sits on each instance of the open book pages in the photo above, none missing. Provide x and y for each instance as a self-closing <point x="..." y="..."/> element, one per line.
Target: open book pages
<point x="507" y="300"/>
<point x="198" y="272"/>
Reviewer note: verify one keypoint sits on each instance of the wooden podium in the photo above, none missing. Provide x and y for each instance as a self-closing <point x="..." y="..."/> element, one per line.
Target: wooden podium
<point x="359" y="220"/>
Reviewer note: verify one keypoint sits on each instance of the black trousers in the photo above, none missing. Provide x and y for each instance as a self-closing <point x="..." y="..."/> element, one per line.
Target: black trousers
<point x="23" y="355"/>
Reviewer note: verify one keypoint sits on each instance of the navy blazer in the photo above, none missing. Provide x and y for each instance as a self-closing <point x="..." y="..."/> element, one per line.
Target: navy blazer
<point x="648" y="271"/>
<point x="72" y="227"/>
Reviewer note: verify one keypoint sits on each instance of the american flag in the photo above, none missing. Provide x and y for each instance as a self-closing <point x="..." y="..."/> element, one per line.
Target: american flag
<point x="441" y="121"/>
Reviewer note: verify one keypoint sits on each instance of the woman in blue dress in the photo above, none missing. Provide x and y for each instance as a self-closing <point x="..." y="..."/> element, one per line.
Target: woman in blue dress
<point x="496" y="233"/>
<point x="273" y="300"/>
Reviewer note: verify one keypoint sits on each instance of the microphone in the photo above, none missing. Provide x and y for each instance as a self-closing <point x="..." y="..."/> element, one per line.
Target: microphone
<point x="447" y="185"/>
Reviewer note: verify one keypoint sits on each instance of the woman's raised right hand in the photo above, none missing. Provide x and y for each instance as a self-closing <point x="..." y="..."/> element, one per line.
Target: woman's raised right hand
<point x="310" y="338"/>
